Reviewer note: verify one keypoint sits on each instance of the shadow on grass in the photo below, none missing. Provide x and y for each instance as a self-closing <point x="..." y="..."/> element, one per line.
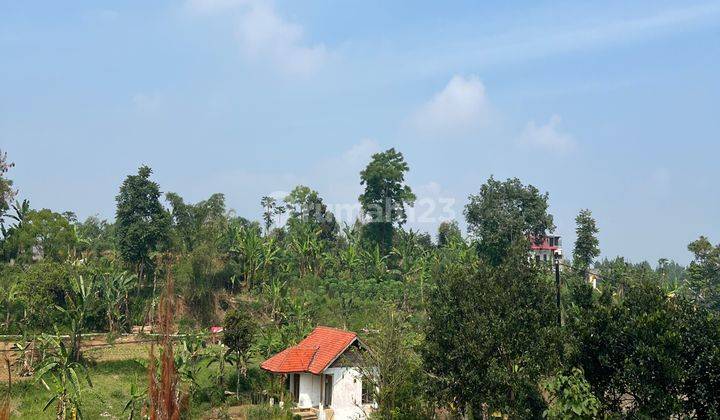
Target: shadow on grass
<point x="118" y="367"/>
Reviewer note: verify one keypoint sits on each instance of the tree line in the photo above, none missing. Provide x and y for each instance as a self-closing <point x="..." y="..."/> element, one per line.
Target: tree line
<point x="462" y="325"/>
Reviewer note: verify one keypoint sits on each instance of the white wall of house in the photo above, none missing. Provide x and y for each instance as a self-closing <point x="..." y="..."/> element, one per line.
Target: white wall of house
<point x="346" y="393"/>
<point x="309" y="390"/>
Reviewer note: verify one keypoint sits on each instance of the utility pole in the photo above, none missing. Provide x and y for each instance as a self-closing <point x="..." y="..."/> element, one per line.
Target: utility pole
<point x="557" y="287"/>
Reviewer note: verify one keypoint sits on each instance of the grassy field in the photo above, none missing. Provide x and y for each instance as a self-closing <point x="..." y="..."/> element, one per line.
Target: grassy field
<point x="112" y="370"/>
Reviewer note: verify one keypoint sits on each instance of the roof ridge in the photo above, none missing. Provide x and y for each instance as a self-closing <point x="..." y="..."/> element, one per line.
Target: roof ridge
<point x="312" y="358"/>
<point x="325" y="327"/>
<point x="314" y="353"/>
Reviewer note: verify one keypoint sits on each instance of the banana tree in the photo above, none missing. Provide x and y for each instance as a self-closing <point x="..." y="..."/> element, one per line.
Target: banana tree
<point x="191" y="357"/>
<point x="411" y="263"/>
<point x="375" y="263"/>
<point x="137" y="405"/>
<point x="270" y="255"/>
<point x="80" y="302"/>
<point x="350" y="259"/>
<point x="248" y="244"/>
<point x="9" y="296"/>
<point x="274" y="291"/>
<point x="116" y="285"/>
<point x="64" y="378"/>
<point x="306" y="249"/>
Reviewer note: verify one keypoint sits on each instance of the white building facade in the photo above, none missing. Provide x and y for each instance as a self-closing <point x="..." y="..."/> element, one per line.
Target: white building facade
<point x="323" y="374"/>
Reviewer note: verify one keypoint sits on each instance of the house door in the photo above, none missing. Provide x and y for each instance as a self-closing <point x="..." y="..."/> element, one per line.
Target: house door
<point x="328" y="383"/>
<point x="296" y="387"/>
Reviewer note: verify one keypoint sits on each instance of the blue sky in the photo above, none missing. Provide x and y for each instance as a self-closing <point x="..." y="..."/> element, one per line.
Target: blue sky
<point x="609" y="106"/>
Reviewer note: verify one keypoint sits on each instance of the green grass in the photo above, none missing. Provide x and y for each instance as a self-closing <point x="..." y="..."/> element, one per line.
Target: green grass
<point x="112" y="371"/>
<point x="105" y="399"/>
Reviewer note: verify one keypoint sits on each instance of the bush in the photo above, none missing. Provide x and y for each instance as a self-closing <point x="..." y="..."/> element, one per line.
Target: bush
<point x="43" y="287"/>
<point x="571" y="397"/>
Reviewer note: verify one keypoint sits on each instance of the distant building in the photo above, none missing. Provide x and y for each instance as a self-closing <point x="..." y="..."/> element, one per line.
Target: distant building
<point x="592" y="276"/>
<point x="547" y="249"/>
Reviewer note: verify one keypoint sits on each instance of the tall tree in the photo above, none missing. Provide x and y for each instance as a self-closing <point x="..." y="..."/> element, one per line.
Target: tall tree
<point x="448" y="232"/>
<point x="270" y="211"/>
<point x="703" y="273"/>
<point x="491" y="335"/>
<point x="586" y="245"/>
<point x="504" y="212"/>
<point x="7" y="194"/>
<point x="238" y="336"/>
<point x="306" y="206"/>
<point x="385" y="196"/>
<point x="392" y="374"/>
<point x="95" y="235"/>
<point x="42" y="234"/>
<point x="142" y="224"/>
<point x="195" y="223"/>
<point x="649" y="354"/>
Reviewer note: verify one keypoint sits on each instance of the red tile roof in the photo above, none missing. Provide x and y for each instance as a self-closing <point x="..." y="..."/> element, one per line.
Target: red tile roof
<point x="313" y="354"/>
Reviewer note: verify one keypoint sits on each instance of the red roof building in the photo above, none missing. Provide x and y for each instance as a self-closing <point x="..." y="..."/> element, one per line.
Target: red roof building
<point x="324" y="374"/>
<point x="313" y="354"/>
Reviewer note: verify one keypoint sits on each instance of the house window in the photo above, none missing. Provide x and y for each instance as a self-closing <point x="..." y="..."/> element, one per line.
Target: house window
<point x="366" y="392"/>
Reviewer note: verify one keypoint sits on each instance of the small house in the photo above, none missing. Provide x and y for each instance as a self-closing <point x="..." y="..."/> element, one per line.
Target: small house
<point x="322" y="372"/>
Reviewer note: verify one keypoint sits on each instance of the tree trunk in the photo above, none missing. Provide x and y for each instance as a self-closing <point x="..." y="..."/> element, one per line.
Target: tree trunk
<point x="75" y="343"/>
<point x="237" y="380"/>
<point x="128" y="319"/>
<point x="222" y="372"/>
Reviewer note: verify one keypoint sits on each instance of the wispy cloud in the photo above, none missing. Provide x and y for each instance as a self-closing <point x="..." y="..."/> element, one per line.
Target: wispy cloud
<point x="547" y="136"/>
<point x="514" y="44"/>
<point x="265" y="36"/>
<point x="459" y="108"/>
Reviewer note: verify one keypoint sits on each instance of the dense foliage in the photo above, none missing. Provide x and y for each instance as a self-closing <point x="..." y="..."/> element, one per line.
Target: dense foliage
<point x="492" y="335"/>
<point x="504" y="212"/>
<point x="457" y="326"/>
<point x="587" y="246"/>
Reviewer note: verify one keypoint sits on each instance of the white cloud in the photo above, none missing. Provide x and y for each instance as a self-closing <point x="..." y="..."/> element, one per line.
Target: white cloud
<point x="265" y="36"/>
<point x="547" y="136"/>
<point x="359" y="154"/>
<point x="568" y="34"/>
<point x="459" y="108"/>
